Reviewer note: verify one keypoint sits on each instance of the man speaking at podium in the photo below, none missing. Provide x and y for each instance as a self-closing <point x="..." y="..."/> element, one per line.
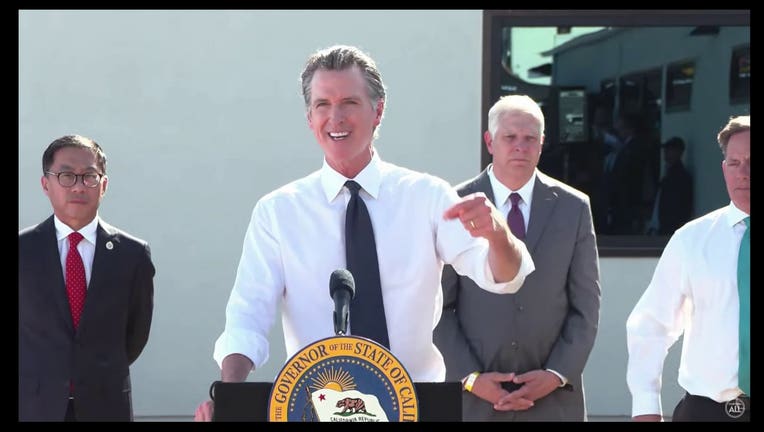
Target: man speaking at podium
<point x="391" y="227"/>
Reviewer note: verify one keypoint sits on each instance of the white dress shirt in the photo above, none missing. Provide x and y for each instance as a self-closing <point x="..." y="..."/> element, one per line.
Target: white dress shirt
<point x="693" y="290"/>
<point x="501" y="194"/>
<point x="295" y="240"/>
<point x="86" y="246"/>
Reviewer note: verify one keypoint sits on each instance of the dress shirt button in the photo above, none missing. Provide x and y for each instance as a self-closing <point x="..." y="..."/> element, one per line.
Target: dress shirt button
<point x="521" y="308"/>
<point x="515" y="345"/>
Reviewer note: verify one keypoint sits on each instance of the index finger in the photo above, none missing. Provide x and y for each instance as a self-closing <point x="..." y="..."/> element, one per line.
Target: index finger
<point x="454" y="211"/>
<point x="462" y="206"/>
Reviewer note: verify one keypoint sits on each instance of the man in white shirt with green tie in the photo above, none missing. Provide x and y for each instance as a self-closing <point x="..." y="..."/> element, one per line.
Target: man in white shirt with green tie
<point x="700" y="288"/>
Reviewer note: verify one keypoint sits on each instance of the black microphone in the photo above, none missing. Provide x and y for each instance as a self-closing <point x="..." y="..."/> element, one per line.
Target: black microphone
<point x="342" y="290"/>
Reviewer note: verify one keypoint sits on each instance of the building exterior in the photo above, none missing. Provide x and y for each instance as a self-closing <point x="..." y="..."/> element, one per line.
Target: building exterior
<point x="200" y="115"/>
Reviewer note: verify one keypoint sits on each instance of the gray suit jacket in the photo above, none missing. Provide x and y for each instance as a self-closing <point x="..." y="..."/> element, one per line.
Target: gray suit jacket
<point x="113" y="329"/>
<point x="551" y="322"/>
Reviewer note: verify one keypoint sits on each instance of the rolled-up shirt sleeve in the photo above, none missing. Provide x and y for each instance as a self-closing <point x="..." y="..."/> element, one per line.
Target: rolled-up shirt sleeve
<point x="654" y="325"/>
<point x="469" y="255"/>
<point x="253" y="303"/>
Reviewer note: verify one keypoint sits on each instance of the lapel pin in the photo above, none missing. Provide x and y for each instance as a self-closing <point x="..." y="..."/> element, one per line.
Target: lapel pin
<point x="109" y="245"/>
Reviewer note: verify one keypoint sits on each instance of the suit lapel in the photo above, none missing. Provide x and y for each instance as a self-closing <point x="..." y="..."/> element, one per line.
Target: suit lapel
<point x="51" y="259"/>
<point x="482" y="183"/>
<point x="544" y="200"/>
<point x="107" y="244"/>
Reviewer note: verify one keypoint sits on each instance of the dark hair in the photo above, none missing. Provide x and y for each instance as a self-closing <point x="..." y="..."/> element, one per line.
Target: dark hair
<point x="674" y="142"/>
<point x="73" y="141"/>
<point x="341" y="57"/>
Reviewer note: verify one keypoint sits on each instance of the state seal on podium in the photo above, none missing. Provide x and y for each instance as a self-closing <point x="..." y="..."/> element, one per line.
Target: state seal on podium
<point x="343" y="379"/>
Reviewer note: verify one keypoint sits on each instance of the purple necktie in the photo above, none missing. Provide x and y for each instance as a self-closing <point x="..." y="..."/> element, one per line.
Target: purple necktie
<point x="515" y="217"/>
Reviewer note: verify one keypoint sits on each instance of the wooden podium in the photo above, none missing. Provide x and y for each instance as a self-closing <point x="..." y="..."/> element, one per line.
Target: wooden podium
<point x="248" y="401"/>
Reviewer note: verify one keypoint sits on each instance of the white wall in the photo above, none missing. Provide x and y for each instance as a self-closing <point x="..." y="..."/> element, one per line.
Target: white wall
<point x="200" y="115"/>
<point x="623" y="281"/>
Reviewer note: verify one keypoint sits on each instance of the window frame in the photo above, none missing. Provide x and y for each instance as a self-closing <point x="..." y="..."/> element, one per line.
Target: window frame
<point x="672" y="105"/>
<point x="495" y="20"/>
<point x="734" y="54"/>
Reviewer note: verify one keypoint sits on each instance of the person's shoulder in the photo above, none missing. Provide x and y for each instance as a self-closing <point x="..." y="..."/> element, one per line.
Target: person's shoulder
<point x="28" y="231"/>
<point x="123" y="235"/>
<point x="35" y="230"/>
<point x="402" y="176"/>
<point x="563" y="189"/>
<point x="469" y="185"/>
<point x="701" y="223"/>
<point x="292" y="189"/>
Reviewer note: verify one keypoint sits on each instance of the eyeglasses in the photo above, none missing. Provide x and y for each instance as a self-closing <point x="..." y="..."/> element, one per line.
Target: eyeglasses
<point x="69" y="179"/>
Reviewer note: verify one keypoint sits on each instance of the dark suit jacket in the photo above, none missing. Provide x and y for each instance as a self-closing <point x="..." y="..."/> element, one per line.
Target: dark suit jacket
<point x="114" y="326"/>
<point x="550" y="322"/>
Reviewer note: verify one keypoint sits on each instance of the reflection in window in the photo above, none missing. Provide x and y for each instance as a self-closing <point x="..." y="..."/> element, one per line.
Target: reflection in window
<point x="679" y="78"/>
<point x="740" y="75"/>
<point x="613" y="95"/>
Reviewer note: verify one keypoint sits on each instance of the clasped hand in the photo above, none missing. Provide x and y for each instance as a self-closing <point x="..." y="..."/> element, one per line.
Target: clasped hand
<point x="534" y="385"/>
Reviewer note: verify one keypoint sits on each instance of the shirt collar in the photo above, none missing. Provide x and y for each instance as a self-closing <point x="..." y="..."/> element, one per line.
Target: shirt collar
<point x="369" y="178"/>
<point x="501" y="193"/>
<point x="735" y="215"/>
<point x="88" y="231"/>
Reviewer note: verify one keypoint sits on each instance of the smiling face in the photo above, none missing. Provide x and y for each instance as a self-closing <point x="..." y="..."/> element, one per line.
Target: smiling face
<point x="343" y="118"/>
<point x="516" y="147"/>
<point x="77" y="205"/>
<point x="737" y="170"/>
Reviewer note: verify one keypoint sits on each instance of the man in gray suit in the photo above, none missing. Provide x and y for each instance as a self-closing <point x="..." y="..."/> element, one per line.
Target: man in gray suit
<point x="85" y="296"/>
<point x="520" y="357"/>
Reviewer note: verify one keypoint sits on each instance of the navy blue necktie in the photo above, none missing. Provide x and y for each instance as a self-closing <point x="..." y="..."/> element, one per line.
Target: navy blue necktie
<point x="367" y="311"/>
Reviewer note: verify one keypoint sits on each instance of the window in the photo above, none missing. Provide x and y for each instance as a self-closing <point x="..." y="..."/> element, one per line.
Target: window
<point x="633" y="77"/>
<point x="679" y="79"/>
<point x="740" y="75"/>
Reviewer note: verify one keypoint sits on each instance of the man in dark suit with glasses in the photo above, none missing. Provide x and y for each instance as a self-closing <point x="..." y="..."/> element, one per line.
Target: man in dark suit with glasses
<point x="85" y="296"/>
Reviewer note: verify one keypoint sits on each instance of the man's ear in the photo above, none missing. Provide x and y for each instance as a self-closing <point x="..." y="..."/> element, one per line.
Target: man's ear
<point x="104" y="185"/>
<point x="44" y="183"/>
<point x="380" y="110"/>
<point x="488" y="141"/>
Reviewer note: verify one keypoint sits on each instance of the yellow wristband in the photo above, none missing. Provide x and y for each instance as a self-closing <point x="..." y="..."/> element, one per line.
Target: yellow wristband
<point x="469" y="382"/>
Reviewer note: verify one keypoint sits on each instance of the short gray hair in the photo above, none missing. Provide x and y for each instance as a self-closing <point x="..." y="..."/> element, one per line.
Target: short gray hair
<point x="513" y="103"/>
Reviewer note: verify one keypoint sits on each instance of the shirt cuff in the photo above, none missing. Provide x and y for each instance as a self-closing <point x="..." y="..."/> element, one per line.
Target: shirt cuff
<point x="526" y="267"/>
<point x="559" y="375"/>
<point x="249" y="345"/>
<point x="646" y="403"/>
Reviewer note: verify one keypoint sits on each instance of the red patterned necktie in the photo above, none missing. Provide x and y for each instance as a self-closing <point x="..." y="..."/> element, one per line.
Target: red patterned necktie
<point x="515" y="217"/>
<point x="75" y="278"/>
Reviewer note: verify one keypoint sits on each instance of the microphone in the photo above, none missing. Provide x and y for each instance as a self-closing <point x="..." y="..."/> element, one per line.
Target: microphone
<point x="342" y="290"/>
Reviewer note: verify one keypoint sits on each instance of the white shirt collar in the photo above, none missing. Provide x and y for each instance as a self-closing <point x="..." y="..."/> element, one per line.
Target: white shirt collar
<point x="88" y="231"/>
<point x="735" y="215"/>
<point x="369" y="178"/>
<point x="501" y="192"/>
